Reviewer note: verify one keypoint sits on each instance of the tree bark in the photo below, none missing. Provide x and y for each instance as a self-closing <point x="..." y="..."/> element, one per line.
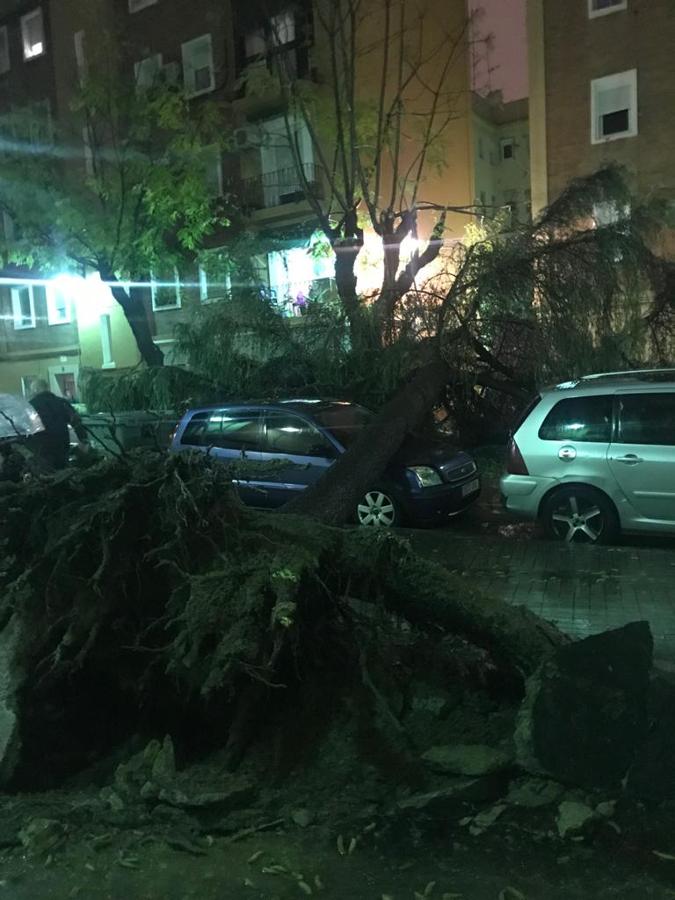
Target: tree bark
<point x="136" y="315"/>
<point x="334" y="497"/>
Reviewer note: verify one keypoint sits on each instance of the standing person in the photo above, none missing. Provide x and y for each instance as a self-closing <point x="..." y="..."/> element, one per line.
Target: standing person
<point x="53" y="444"/>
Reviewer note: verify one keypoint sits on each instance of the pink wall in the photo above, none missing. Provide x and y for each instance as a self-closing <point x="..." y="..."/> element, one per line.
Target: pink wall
<point x="502" y="65"/>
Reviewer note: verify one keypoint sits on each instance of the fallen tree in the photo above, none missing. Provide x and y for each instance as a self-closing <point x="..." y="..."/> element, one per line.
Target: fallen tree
<point x="143" y="580"/>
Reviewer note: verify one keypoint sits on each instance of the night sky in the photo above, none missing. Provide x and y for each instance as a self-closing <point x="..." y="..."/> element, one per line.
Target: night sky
<point x="505" y="67"/>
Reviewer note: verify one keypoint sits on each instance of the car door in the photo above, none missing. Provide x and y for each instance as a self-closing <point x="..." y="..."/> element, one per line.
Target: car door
<point x="573" y="441"/>
<point x="642" y="454"/>
<point x="229" y="434"/>
<point x="302" y="450"/>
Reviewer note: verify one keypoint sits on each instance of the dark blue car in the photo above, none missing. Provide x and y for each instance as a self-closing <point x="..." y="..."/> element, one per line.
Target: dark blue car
<point x="428" y="480"/>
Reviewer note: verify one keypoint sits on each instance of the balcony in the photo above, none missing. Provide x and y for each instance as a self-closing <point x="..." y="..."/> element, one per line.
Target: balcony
<point x="274" y="189"/>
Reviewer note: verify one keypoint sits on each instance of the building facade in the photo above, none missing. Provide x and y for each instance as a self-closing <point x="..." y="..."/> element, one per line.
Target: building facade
<point x="602" y="90"/>
<point x="227" y="52"/>
<point x="501" y="146"/>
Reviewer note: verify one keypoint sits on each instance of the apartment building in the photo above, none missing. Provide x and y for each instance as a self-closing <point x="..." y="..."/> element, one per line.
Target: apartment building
<point x="501" y="146"/>
<point x="601" y="90"/>
<point x="225" y="51"/>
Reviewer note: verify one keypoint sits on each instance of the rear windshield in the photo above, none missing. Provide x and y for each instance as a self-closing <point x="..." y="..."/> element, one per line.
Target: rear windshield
<point x="525" y="413"/>
<point x="344" y="421"/>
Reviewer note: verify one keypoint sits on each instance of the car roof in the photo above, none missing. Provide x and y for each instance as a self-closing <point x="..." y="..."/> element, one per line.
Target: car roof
<point x="298" y="404"/>
<point x="636" y="379"/>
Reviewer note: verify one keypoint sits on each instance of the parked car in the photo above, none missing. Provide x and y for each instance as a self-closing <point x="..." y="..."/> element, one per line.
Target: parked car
<point x="594" y="457"/>
<point x="428" y="480"/>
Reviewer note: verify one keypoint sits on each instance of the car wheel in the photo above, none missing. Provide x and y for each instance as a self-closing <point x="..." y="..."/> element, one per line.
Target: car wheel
<point x="580" y="515"/>
<point x="378" y="509"/>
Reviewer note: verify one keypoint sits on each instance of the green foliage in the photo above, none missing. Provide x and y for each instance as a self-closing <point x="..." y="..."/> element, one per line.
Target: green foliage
<point x="566" y="295"/>
<point x="144" y="205"/>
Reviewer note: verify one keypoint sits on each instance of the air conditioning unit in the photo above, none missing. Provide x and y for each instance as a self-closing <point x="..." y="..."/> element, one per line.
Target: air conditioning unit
<point x="171" y="73"/>
<point x="247" y="137"/>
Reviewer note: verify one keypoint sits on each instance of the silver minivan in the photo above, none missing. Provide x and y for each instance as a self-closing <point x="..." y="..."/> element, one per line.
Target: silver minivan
<point x="596" y="456"/>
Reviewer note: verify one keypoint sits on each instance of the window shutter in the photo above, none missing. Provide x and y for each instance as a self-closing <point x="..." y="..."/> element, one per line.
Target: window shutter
<point x="613" y="100"/>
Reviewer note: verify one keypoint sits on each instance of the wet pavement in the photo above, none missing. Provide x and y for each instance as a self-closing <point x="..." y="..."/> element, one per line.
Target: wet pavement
<point x="583" y="589"/>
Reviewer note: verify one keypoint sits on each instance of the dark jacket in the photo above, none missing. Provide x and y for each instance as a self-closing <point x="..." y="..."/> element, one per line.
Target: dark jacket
<point x="56" y="414"/>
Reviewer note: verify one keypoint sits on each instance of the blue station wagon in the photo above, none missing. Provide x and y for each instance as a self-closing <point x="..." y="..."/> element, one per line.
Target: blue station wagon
<point x="427" y="481"/>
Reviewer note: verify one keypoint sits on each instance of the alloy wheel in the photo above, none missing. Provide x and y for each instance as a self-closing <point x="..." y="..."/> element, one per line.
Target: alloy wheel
<point x="376" y="509"/>
<point x="578" y="518"/>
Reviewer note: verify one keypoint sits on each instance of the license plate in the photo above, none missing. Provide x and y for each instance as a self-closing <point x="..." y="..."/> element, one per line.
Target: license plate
<point x="470" y="488"/>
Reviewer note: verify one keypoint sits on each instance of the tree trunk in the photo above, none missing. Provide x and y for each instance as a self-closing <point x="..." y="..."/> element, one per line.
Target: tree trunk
<point x="136" y="315"/>
<point x="334" y="497"/>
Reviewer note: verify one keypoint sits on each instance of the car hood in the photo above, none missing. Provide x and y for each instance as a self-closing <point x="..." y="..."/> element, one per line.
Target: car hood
<point x="418" y="450"/>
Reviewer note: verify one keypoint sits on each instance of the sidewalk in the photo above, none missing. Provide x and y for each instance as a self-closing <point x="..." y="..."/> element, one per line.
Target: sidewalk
<point x="583" y="590"/>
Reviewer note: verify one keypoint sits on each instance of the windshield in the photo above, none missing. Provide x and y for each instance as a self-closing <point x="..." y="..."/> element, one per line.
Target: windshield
<point x="344" y="421"/>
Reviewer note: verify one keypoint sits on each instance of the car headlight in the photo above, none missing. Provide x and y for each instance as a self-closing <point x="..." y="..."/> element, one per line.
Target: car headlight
<point x="426" y="476"/>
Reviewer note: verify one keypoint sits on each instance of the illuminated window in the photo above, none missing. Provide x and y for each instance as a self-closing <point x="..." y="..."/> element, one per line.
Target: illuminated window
<point x="603" y="7"/>
<point x="33" y="34"/>
<point x="58" y="305"/>
<point x="23" y="307"/>
<point x="614" y="107"/>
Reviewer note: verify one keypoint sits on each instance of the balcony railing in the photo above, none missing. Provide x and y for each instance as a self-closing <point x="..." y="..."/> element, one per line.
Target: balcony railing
<point x="270" y="189"/>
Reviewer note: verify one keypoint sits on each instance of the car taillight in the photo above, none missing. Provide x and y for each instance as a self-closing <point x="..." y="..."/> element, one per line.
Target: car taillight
<point x="515" y="464"/>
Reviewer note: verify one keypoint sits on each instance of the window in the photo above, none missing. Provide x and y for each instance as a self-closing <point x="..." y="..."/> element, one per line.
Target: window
<point x="646" y="419"/>
<point x="281" y="181"/>
<point x="32" y="34"/>
<point x="282" y="28"/>
<point x="147" y="71"/>
<point x="41" y="131"/>
<point x="603" y="7"/>
<point x="89" y="167"/>
<point x="291" y="435"/>
<point x="23" y="307"/>
<point x="165" y="294"/>
<point x="80" y="57"/>
<point x="344" y="421"/>
<point x="508" y="148"/>
<point x="198" y="74"/>
<point x="579" y="419"/>
<point x="213" y="170"/>
<point x="226" y="429"/>
<point x="135" y="5"/>
<point x="106" y="342"/>
<point x="213" y="288"/>
<point x="27" y="382"/>
<point x="4" y="51"/>
<point x="614" y="107"/>
<point x="58" y="304"/>
<point x="8" y="230"/>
